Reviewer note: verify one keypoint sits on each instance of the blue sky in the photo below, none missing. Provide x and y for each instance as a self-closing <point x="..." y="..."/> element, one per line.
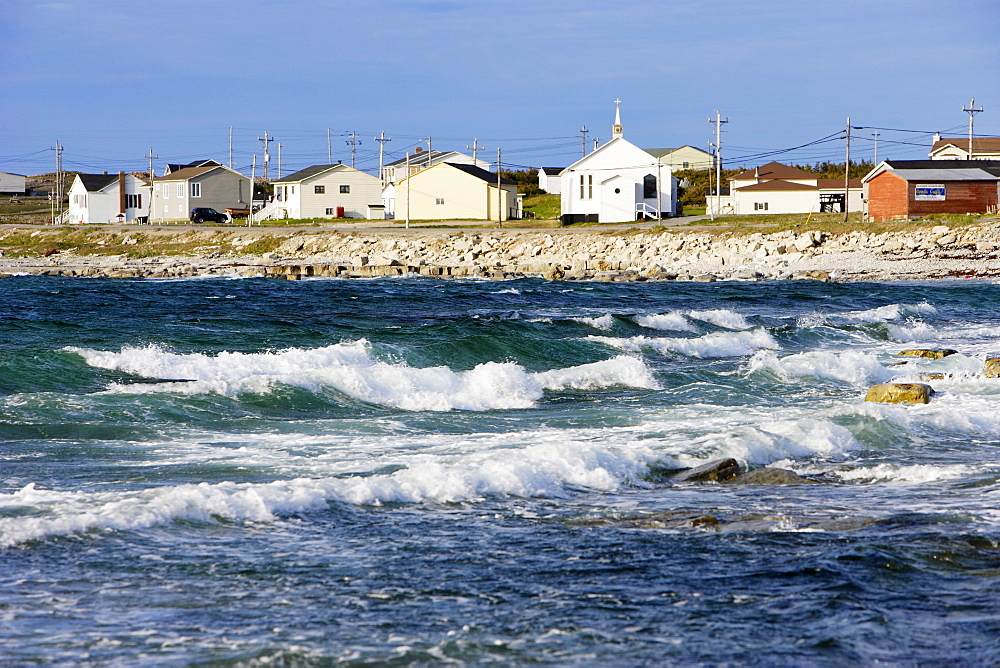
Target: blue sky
<point x="110" y="79"/>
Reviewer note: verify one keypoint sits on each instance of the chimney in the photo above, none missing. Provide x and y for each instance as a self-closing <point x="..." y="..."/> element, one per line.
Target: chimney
<point x="121" y="193"/>
<point x="418" y="149"/>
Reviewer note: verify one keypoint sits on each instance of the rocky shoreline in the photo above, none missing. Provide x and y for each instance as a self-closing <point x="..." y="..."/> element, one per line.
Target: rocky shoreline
<point x="564" y="254"/>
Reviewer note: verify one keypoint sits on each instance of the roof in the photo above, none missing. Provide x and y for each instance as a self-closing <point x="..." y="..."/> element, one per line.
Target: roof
<point x="306" y="173"/>
<point x="660" y="152"/>
<point x="420" y="158"/>
<point x="480" y="173"/>
<point x="551" y="171"/>
<point x="172" y="167"/>
<point x="946" y="175"/>
<point x="774" y="170"/>
<point x="95" y="182"/>
<point x="187" y="173"/>
<point x="777" y="184"/>
<point x="940" y="170"/>
<point x="984" y="144"/>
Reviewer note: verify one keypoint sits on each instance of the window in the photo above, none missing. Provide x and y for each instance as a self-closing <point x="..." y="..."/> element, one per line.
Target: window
<point x="180" y="190"/>
<point x="590" y="186"/>
<point x="760" y="206"/>
<point x="439" y="200"/>
<point x="319" y="190"/>
<point x="133" y="201"/>
<point x="649" y="186"/>
<point x="166" y="191"/>
<point x="329" y="211"/>
<point x="345" y="189"/>
<point x="582" y="196"/>
<point x="686" y="164"/>
<point x="195" y="190"/>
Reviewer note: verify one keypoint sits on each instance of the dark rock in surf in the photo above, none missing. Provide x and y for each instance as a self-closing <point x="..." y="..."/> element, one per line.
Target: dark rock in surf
<point x="770" y="476"/>
<point x="717" y="471"/>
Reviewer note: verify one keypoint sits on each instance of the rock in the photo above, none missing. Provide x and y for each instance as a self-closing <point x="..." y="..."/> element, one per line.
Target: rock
<point x="934" y="354"/>
<point x="900" y="393"/>
<point x="991" y="368"/>
<point x="716" y="471"/>
<point x="771" y="476"/>
<point x="932" y="376"/>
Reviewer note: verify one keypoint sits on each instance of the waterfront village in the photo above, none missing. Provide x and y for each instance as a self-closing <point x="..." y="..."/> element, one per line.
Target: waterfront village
<point x="617" y="182"/>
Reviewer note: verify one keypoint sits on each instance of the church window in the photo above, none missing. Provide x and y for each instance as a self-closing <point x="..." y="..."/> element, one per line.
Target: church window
<point x="648" y="186"/>
<point x="582" y="191"/>
<point x="590" y="186"/>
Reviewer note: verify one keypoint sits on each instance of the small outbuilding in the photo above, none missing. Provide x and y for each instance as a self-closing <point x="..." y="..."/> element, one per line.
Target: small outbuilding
<point x="904" y="189"/>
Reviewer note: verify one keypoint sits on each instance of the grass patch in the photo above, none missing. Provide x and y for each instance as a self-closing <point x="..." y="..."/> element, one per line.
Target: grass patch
<point x="262" y="246"/>
<point x="545" y="207"/>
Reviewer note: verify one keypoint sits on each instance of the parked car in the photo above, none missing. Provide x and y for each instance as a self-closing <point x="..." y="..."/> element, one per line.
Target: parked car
<point x="204" y="213"/>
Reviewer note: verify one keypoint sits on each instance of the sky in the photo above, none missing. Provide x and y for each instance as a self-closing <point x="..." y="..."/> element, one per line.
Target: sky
<point x="112" y="80"/>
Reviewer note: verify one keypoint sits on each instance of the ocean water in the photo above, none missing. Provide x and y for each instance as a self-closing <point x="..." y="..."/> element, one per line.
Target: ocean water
<point x="415" y="471"/>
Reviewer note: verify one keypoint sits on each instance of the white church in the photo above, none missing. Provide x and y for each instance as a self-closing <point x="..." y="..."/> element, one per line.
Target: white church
<point x="617" y="183"/>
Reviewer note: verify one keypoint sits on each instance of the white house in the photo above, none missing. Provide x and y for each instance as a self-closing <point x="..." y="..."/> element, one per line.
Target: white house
<point x="957" y="148"/>
<point x="12" y="184"/>
<point x="617" y="183"/>
<point x="396" y="171"/>
<point x="214" y="186"/>
<point x="326" y="191"/>
<point x="778" y="188"/>
<point x="549" y="181"/>
<point x="107" y="198"/>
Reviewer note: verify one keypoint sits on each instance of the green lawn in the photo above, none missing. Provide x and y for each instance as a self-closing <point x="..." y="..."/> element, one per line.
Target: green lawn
<point x="545" y="207"/>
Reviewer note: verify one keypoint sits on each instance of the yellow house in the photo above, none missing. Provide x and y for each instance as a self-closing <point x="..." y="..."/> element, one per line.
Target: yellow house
<point x="450" y="191"/>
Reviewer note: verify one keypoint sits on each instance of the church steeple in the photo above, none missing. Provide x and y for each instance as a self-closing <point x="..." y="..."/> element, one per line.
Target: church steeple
<point x="616" y="129"/>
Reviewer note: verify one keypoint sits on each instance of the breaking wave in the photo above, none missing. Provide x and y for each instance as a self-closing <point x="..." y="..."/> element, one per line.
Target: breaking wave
<point x="716" y="344"/>
<point x="351" y="369"/>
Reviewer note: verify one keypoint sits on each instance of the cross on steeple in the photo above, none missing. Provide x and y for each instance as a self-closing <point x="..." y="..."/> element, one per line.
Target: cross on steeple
<point x="616" y="129"/>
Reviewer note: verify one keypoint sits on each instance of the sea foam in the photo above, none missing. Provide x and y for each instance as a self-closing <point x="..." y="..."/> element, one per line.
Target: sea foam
<point x="716" y="344"/>
<point x="351" y="369"/>
<point x="847" y="366"/>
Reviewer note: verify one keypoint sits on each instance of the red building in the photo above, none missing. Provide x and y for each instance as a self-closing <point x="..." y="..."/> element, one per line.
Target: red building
<point x="904" y="189"/>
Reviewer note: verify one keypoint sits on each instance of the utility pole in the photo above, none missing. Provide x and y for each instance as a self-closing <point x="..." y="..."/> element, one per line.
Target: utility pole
<point x="58" y="148"/>
<point x="407" y="190"/>
<point x="583" y="141"/>
<point x="267" y="156"/>
<point x="971" y="111"/>
<point x="279" y="159"/>
<point x="152" y="186"/>
<point x="847" y="170"/>
<point x="428" y="140"/>
<point x="381" y="139"/>
<point x="230" y="147"/>
<point x="718" y="159"/>
<point x="253" y="175"/>
<point x="329" y="148"/>
<point x="353" y="141"/>
<point x="875" y="135"/>
<point x="475" y="149"/>
<point x="499" y="194"/>
<point x="711" y="152"/>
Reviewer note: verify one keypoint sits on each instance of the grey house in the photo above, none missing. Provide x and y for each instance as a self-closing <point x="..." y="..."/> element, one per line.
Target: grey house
<point x="215" y="186"/>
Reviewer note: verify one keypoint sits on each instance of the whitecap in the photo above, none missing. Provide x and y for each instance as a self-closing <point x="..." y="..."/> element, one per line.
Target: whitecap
<point x="716" y="344"/>
<point x="351" y="369"/>
<point x="848" y="366"/>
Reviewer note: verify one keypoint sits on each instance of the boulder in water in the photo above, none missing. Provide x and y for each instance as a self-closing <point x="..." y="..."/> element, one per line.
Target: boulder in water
<point x="991" y="368"/>
<point x="934" y="354"/>
<point x="900" y="393"/>
<point x="716" y="471"/>
<point x="770" y="476"/>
